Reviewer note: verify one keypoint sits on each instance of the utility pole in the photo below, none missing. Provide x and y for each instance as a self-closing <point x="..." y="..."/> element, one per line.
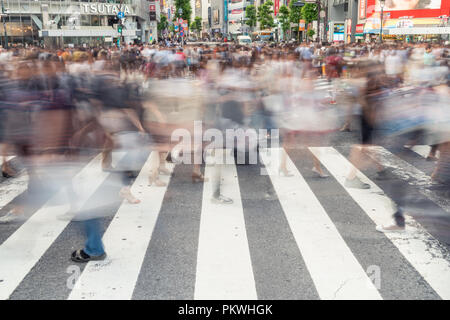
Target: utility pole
<point x="180" y="13"/>
<point x="120" y="27"/>
<point x="381" y="20"/>
<point x="318" y="21"/>
<point x="4" y="24"/>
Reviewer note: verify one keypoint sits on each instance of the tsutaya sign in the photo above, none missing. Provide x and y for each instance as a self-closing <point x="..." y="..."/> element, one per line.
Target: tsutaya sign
<point x="104" y="8"/>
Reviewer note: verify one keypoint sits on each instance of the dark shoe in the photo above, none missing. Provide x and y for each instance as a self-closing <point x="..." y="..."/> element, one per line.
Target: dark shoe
<point x="8" y="175"/>
<point x="382" y="175"/>
<point x="82" y="257"/>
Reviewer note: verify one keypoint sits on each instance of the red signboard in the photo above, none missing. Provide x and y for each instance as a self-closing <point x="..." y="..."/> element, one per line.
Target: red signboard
<point x="410" y="8"/>
<point x="276" y="7"/>
<point x="359" y="28"/>
<point x="152" y="7"/>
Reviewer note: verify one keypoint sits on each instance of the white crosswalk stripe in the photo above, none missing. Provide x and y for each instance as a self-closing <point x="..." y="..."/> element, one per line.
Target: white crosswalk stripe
<point x="415" y="244"/>
<point x="224" y="266"/>
<point x="126" y="241"/>
<point x="20" y="252"/>
<point x="10" y="189"/>
<point x="423" y="151"/>
<point x="405" y="171"/>
<point x="318" y="239"/>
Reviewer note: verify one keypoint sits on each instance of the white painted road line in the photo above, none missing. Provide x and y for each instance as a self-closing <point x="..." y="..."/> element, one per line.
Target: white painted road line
<point x="11" y="188"/>
<point x="424" y="252"/>
<point x="334" y="269"/>
<point x="23" y="249"/>
<point x="126" y="241"/>
<point x="224" y="267"/>
<point x="407" y="172"/>
<point x="422" y="151"/>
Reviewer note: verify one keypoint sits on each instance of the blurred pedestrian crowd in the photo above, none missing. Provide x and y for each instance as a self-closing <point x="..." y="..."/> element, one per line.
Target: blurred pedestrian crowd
<point x="60" y="108"/>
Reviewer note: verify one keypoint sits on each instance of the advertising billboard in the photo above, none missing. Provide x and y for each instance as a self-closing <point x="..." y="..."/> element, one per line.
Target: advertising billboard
<point x="397" y="5"/>
<point x="338" y="32"/>
<point x="412" y="8"/>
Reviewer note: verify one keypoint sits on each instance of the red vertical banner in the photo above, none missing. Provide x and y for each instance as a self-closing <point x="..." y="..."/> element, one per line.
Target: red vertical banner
<point x="276" y="7"/>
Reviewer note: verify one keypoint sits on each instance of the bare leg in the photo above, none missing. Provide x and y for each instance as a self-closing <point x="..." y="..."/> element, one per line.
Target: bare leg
<point x="107" y="152"/>
<point x="154" y="169"/>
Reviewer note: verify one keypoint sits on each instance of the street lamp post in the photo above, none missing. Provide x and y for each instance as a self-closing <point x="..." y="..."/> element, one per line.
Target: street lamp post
<point x="4" y="24"/>
<point x="382" y="2"/>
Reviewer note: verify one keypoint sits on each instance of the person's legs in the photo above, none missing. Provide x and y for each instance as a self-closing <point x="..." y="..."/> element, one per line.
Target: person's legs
<point x="397" y="193"/>
<point x="94" y="245"/>
<point x="432" y="155"/>
<point x="107" y="152"/>
<point x="155" y="160"/>
<point x="6" y="169"/>
<point x="216" y="177"/>
<point x="287" y="139"/>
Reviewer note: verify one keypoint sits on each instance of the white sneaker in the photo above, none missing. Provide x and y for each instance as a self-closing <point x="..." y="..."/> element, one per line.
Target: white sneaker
<point x="9" y="217"/>
<point x="222" y="200"/>
<point x="322" y="175"/>
<point x="69" y="216"/>
<point x="390" y="228"/>
<point x="356" y="183"/>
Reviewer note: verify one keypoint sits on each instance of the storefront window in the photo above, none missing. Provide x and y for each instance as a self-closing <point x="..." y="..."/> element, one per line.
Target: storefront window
<point x="85" y="20"/>
<point x="95" y="21"/>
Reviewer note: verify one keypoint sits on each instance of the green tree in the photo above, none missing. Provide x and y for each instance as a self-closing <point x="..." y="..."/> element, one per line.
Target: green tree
<point x="309" y="14"/>
<point x="295" y="14"/>
<point x="250" y="15"/>
<point x="196" y="25"/>
<point x="265" y="16"/>
<point x="284" y="19"/>
<point x="163" y="24"/>
<point x="185" y="5"/>
<point x="311" y="33"/>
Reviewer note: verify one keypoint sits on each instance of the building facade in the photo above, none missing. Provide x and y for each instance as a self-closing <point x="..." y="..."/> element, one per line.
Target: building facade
<point x="75" y="22"/>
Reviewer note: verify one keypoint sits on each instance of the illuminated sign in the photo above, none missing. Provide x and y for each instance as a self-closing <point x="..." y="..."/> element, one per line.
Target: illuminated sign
<point x="104" y="8"/>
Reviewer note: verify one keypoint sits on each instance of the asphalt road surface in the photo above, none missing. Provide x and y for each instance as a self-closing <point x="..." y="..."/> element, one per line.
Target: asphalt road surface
<point x="297" y="237"/>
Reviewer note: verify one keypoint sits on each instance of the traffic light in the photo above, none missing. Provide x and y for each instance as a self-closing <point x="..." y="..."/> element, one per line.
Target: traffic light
<point x="119" y="29"/>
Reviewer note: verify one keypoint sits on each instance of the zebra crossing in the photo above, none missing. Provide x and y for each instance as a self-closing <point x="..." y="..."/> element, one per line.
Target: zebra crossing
<point x="315" y="240"/>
